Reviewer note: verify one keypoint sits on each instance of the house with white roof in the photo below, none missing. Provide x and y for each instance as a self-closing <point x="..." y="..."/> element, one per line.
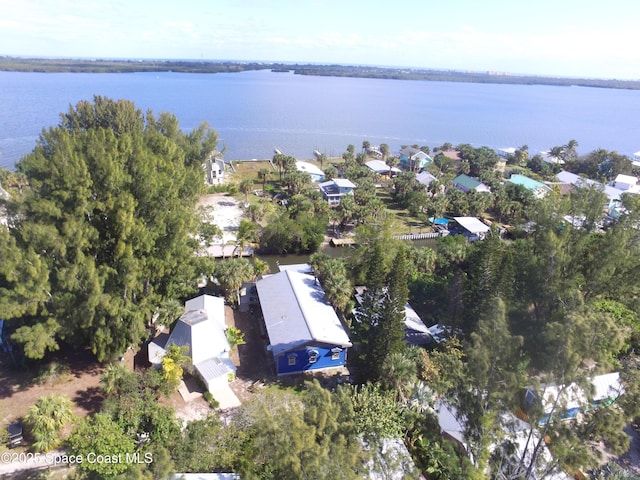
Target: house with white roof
<point x="612" y="193"/>
<point x="304" y="332"/>
<point x="626" y="183"/>
<point x="201" y="329"/>
<point x="569" y="400"/>
<point x="334" y="190"/>
<point x="472" y="227"/>
<point x="425" y="178"/>
<point x="505" y="152"/>
<point x="548" y="158"/>
<point x="314" y="171"/>
<point x="382" y="169"/>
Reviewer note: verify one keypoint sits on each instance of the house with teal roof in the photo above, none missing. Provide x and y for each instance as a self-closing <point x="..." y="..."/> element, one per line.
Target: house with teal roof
<point x="538" y="189"/>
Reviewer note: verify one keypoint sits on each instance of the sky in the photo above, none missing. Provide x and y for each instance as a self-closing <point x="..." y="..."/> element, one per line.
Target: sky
<point x="574" y="38"/>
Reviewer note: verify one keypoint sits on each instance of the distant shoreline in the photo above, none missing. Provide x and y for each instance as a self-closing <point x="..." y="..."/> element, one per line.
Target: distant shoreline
<point x="41" y="65"/>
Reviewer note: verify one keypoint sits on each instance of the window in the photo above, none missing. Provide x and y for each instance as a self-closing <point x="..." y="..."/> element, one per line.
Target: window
<point x="335" y="353"/>
<point x="291" y="359"/>
<point x="313" y="356"/>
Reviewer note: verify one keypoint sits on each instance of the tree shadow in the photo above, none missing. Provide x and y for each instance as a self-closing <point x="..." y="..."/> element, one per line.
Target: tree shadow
<point x="90" y="399"/>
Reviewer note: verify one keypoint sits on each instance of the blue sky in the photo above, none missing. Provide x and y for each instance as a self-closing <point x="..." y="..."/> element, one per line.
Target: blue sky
<point x="580" y="38"/>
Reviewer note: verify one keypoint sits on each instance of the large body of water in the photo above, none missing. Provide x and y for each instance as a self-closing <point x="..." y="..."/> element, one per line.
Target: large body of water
<point x="254" y="112"/>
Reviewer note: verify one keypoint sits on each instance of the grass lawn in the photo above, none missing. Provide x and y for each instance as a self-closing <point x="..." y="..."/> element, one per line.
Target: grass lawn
<point x="406" y="223"/>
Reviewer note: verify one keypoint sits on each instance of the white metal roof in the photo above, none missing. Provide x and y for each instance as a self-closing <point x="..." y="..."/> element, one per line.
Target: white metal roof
<point x="472" y="224"/>
<point x="200" y="329"/>
<point x="296" y="312"/>
<point x="309" y="168"/>
<point x="629" y="179"/>
<point x="344" y="183"/>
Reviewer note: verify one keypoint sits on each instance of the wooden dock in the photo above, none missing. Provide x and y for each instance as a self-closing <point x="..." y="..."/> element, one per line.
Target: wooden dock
<point x="341" y="242"/>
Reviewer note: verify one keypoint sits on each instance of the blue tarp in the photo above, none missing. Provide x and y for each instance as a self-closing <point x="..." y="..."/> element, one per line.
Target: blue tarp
<point x="439" y="221"/>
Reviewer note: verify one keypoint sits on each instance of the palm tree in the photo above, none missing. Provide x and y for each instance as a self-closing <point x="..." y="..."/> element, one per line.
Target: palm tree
<point x="338" y="290"/>
<point x="279" y="160"/>
<point x="111" y="377"/>
<point x="366" y="145"/>
<point x="399" y="375"/>
<point x="264" y="174"/>
<point x="385" y="150"/>
<point x="247" y="234"/>
<point x="46" y="419"/>
<point x="260" y="267"/>
<point x="232" y="274"/>
<point x="246" y="185"/>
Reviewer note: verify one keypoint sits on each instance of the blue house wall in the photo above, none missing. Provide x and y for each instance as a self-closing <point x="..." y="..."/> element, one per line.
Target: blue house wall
<point x="300" y="359"/>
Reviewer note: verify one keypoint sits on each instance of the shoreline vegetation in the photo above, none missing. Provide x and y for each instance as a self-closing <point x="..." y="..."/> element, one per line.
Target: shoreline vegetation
<point x="41" y="65"/>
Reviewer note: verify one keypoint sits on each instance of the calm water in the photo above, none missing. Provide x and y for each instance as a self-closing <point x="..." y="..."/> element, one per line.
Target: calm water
<point x="257" y="111"/>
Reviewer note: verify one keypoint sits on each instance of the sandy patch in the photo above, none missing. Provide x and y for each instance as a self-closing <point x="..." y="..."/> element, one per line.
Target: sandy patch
<point x="226" y="213"/>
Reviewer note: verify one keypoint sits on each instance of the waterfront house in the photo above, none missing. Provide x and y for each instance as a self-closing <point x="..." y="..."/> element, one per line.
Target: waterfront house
<point x="548" y="158"/>
<point x="314" y="171"/>
<point x="334" y="190"/>
<point x="505" y="153"/>
<point x="466" y="183"/>
<point x="472" y="228"/>
<point x="414" y="159"/>
<point x="538" y="189"/>
<point x="214" y="168"/>
<point x="201" y="329"/>
<point x="304" y="332"/>
<point x="382" y="169"/>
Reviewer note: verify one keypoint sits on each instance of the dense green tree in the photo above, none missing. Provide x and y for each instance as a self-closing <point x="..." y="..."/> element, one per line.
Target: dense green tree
<point x="110" y="210"/>
<point x="379" y="321"/>
<point x="100" y="435"/>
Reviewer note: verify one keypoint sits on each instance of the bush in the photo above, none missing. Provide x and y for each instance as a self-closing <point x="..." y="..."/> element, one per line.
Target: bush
<point x="213" y="403"/>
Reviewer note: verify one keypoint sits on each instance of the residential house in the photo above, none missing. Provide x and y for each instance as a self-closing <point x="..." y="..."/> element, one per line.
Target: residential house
<point x="425" y="178"/>
<point x="415" y="331"/>
<point x="314" y="171"/>
<point x="472" y="228"/>
<point x="548" y="158"/>
<point x="382" y="169"/>
<point x="505" y="153"/>
<point x="538" y="189"/>
<point x="569" y="400"/>
<point x="334" y="190"/>
<point x="201" y="329"/>
<point x="412" y="158"/>
<point x="304" y="332"/>
<point x="613" y="194"/>
<point x="466" y="183"/>
<point x="214" y="168"/>
<point x="626" y="183"/>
